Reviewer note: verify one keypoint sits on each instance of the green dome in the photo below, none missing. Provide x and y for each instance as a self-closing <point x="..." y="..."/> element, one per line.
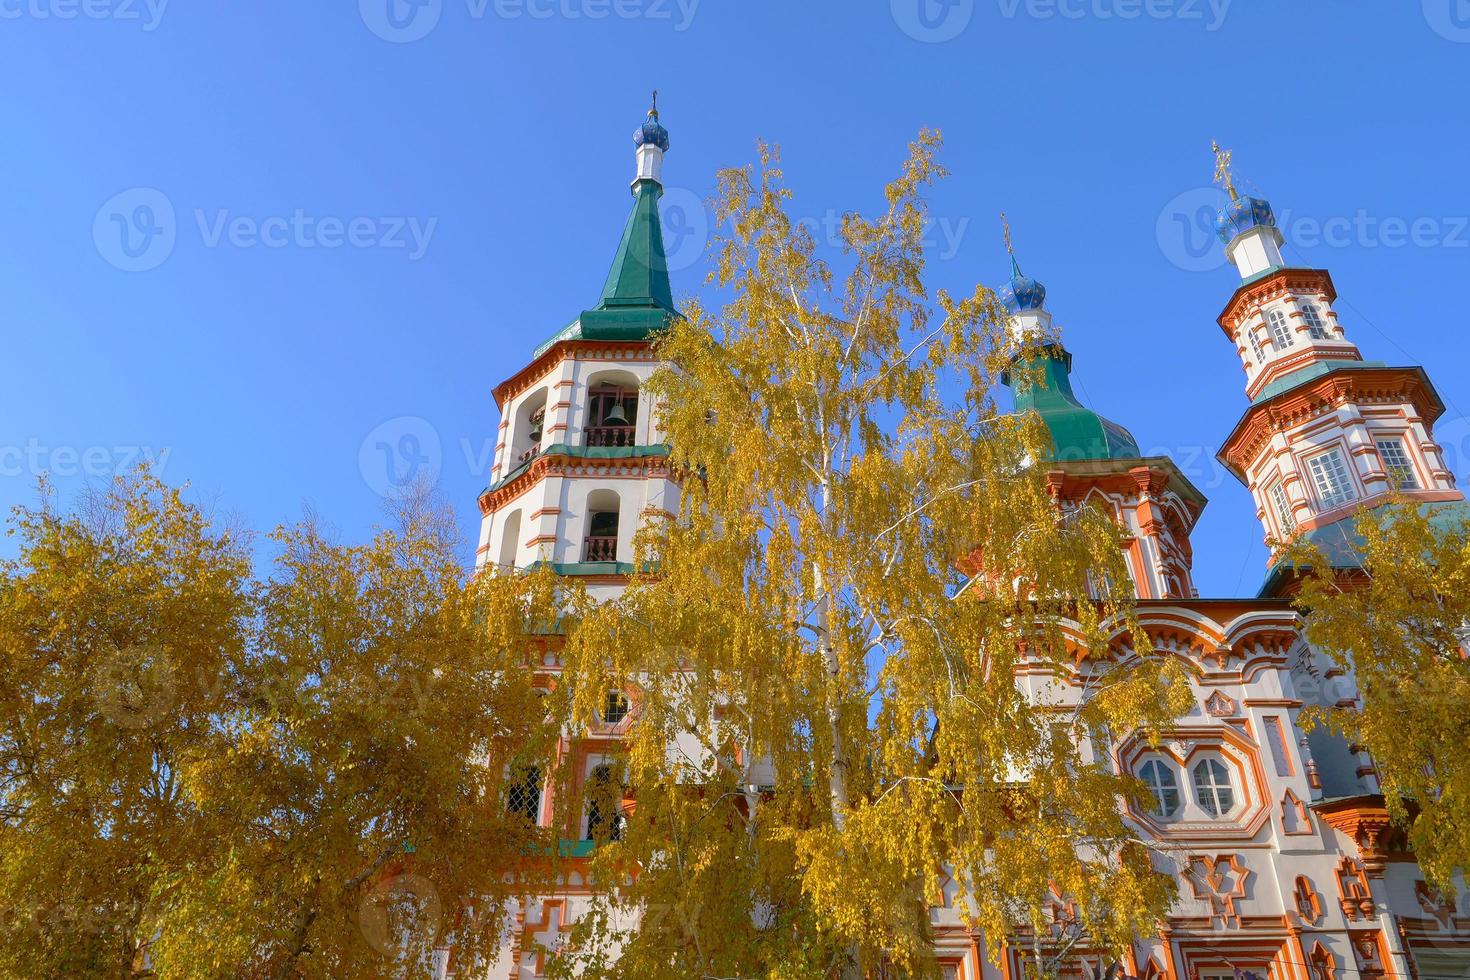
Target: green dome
<point x="1077" y="432"/>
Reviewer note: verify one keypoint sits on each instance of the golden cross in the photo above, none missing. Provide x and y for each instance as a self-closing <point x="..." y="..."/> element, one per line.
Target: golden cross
<point x="1006" y="230"/>
<point x="1223" y="176"/>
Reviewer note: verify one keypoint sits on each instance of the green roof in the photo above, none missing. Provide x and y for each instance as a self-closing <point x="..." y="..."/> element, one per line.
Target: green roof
<point x="1077" y="432"/>
<point x="1341" y="544"/>
<point x="637" y="299"/>
<point x="1310" y="373"/>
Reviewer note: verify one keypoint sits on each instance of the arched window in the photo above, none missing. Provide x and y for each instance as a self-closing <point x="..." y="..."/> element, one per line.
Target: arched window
<point x="527" y="429"/>
<point x="601" y="543"/>
<point x="1159" y="778"/>
<point x="1255" y="339"/>
<point x="1212" y="787"/>
<point x="612" y="409"/>
<point x="524" y="798"/>
<point x="1316" y="328"/>
<point x="1280" y="330"/>
<point x="510" y="533"/>
<point x="604" y="812"/>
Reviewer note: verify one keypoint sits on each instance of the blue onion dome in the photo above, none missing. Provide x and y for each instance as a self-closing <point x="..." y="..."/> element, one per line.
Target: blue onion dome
<point x="652" y="132"/>
<point x="1022" y="292"/>
<point x="1241" y="215"/>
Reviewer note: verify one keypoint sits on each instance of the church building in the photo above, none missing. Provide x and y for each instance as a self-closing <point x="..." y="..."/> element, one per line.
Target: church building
<point x="1288" y="865"/>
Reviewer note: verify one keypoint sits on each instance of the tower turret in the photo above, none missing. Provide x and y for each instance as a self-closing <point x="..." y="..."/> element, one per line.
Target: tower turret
<point x="1095" y="459"/>
<point x="580" y="459"/>
<point x="1326" y="432"/>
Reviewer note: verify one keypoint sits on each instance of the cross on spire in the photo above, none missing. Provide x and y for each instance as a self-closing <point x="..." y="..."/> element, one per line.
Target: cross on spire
<point x="1223" y="175"/>
<point x="1005" y="228"/>
<point x="653" y="110"/>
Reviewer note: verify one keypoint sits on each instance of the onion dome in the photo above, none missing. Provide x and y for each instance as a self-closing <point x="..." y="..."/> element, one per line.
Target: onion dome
<point x="1241" y="215"/>
<point x="1022" y="293"/>
<point x="652" y="132"/>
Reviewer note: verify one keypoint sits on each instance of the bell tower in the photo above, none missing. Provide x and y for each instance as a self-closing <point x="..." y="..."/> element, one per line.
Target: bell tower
<point x="1326" y="433"/>
<point x="579" y="458"/>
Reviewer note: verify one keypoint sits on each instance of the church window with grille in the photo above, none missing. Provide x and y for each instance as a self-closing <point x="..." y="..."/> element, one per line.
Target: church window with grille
<point x="1330" y="476"/>
<point x="1159" y="778"/>
<point x="1212" y="787"/>
<point x="1396" y="460"/>
<point x="1280" y="330"/>
<point x="524" y="797"/>
<point x="615" y="707"/>
<point x="1279" y="501"/>
<point x="1312" y="316"/>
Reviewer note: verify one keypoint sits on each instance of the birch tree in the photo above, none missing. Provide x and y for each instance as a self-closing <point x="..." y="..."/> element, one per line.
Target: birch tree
<point x="1401" y="625"/>
<point x="829" y="735"/>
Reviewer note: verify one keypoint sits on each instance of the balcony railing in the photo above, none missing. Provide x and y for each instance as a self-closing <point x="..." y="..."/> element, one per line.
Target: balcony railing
<point x="610" y="435"/>
<point x="529" y="455"/>
<point x="600" y="549"/>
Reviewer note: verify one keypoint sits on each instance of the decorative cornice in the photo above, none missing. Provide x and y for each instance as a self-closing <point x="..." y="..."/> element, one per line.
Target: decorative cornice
<point x="1282" y="282"/>
<point x="1321" y="396"/>
<point x="601" y="350"/>
<point x="565" y="461"/>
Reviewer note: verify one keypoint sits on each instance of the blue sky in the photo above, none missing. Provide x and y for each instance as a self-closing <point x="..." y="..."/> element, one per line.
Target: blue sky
<point x="348" y="223"/>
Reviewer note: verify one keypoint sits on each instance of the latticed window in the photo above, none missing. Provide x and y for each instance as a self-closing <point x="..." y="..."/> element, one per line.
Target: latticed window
<point x="1256" y="345"/>
<point x="615" y="708"/>
<point x="1280" y="330"/>
<point x="1159" y="778"/>
<point x="1396" y="460"/>
<point x="1312" y="316"/>
<point x="1284" y="516"/>
<point x="604" y="814"/>
<point x="1212" y="787"/>
<point x="1330" y="475"/>
<point x="524" y="797"/>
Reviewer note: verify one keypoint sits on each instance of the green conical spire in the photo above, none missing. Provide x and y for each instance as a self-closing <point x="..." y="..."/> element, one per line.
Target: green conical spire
<point x="639" y="277"/>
